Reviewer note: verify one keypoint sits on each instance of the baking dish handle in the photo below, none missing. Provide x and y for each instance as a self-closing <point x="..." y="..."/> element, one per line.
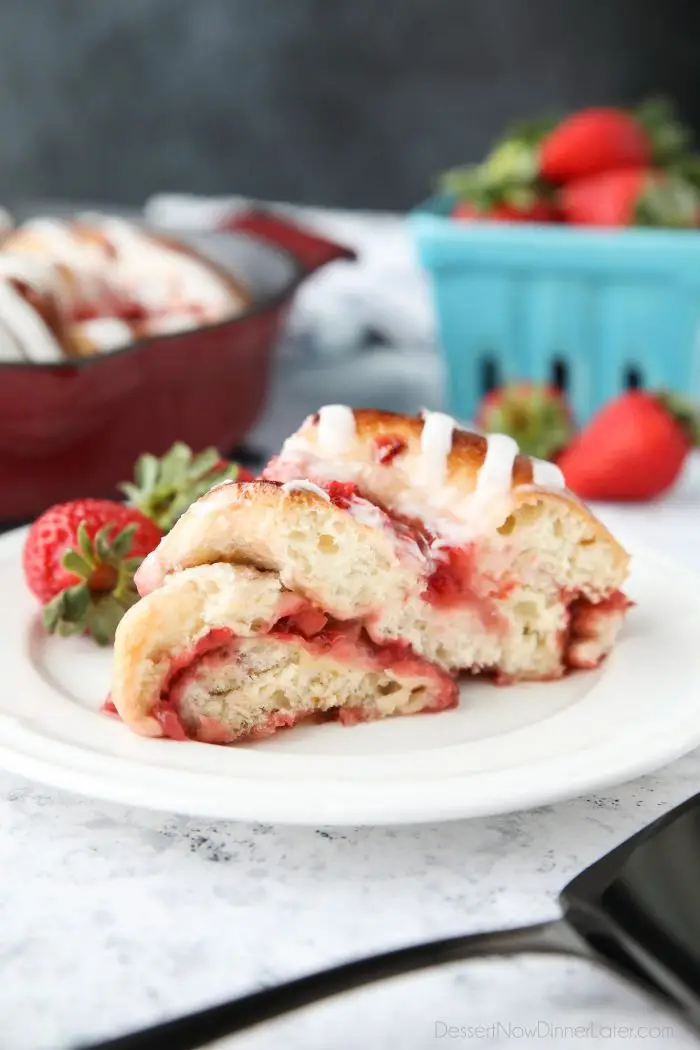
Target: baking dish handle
<point x="310" y="251"/>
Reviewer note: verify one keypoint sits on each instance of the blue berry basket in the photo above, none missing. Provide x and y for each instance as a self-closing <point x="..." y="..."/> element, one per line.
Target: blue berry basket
<point x="592" y="311"/>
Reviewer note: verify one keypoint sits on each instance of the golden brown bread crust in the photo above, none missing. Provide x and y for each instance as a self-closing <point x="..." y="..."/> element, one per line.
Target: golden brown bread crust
<point x="465" y="459"/>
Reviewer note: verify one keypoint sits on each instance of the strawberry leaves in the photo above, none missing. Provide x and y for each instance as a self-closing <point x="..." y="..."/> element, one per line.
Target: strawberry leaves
<point x="670" y="138"/>
<point x="164" y="488"/>
<point x="105" y="590"/>
<point x="685" y="412"/>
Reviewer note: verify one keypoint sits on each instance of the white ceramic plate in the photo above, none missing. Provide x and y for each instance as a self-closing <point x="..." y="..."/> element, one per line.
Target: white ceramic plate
<point x="503" y="749"/>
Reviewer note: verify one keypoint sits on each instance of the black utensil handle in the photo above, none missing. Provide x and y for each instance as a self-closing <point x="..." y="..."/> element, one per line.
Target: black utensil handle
<point x="198" y="1029"/>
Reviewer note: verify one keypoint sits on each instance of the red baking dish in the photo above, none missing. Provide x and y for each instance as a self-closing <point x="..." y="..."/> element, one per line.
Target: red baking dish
<point x="76" y="428"/>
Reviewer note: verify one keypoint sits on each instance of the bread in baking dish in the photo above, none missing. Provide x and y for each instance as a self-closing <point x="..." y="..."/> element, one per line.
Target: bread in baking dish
<point x="111" y="282"/>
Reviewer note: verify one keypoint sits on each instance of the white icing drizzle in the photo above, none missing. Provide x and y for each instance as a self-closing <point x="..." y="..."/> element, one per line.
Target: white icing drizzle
<point x="134" y="262"/>
<point x="301" y="485"/>
<point x="336" y="429"/>
<point x="37" y="273"/>
<point x="106" y="333"/>
<point x="435" y="447"/>
<point x="496" y="471"/>
<point x="34" y="337"/>
<point x="60" y="240"/>
<point x="173" y="322"/>
<point x="548" y="475"/>
<point x="166" y="274"/>
<point x="368" y="514"/>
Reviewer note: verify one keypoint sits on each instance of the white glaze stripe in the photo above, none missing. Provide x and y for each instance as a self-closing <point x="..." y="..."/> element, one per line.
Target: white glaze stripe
<point x="496" y="472"/>
<point x="35" y="272"/>
<point x="34" y="337"/>
<point x="106" y="333"/>
<point x="302" y="485"/>
<point x="435" y="447"/>
<point x="60" y="241"/>
<point x="548" y="475"/>
<point x="336" y="429"/>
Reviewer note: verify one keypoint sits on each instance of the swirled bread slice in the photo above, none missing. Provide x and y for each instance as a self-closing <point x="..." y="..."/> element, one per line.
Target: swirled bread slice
<point x="222" y="653"/>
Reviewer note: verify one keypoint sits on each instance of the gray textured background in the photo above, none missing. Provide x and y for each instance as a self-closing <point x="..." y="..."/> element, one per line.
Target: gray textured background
<point x="339" y="102"/>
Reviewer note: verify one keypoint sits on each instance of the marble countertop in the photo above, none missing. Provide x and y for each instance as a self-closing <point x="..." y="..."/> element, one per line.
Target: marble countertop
<point x="112" y="918"/>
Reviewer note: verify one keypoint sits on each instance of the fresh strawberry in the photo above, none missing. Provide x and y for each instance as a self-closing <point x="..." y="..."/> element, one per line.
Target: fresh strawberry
<point x="633" y="449"/>
<point x="591" y="141"/>
<point x="491" y="191"/>
<point x="538" y="211"/>
<point x="631" y="197"/>
<point x="79" y="560"/>
<point x="387" y="447"/>
<point x="164" y="488"/>
<point x="537" y="416"/>
<point x="517" y="179"/>
<point x="465" y="211"/>
<point x="228" y="465"/>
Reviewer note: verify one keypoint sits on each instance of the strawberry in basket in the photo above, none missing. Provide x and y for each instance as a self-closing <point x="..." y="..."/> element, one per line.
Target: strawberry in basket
<point x="601" y="166"/>
<point x="631" y="197"/>
<point x="536" y="415"/>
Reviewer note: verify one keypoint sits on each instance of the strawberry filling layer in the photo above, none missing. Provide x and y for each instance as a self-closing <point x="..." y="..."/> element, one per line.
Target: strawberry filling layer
<point x="387" y="447"/>
<point x="589" y="627"/>
<point x="346" y="643"/>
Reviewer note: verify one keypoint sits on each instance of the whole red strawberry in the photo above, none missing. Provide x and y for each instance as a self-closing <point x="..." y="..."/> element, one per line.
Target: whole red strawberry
<point x="164" y="488"/>
<point x="594" y="140"/>
<point x="536" y="415"/>
<point x="631" y="197"/>
<point x="633" y="449"/>
<point x="79" y="560"/>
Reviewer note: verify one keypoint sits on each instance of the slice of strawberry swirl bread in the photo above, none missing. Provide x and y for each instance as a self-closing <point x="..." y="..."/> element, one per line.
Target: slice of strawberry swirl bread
<point x="223" y="653"/>
<point x="410" y="551"/>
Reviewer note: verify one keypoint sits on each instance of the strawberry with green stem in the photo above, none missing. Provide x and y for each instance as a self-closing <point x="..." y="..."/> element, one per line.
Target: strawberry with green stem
<point x="164" y="488"/>
<point x="633" y="449"/>
<point x="632" y="197"/>
<point x="519" y="177"/>
<point x="79" y="560"/>
<point x="537" y="416"/>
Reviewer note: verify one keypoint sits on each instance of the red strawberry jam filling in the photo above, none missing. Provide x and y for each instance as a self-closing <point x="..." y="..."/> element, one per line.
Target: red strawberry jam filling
<point x="588" y="623"/>
<point x="387" y="447"/>
<point x="321" y="636"/>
